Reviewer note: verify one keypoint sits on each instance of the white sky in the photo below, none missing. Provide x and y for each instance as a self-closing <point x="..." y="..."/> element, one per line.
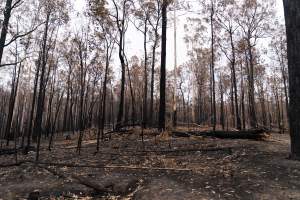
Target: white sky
<point x="134" y="39"/>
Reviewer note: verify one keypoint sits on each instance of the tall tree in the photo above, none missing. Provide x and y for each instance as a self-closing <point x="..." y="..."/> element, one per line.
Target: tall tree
<point x="162" y="102"/>
<point x="106" y="33"/>
<point x="212" y="65"/>
<point x="6" y="29"/>
<point x="55" y="14"/>
<point x="143" y="13"/>
<point x="121" y="17"/>
<point x="253" y="20"/>
<point x="155" y="24"/>
<point x="226" y="19"/>
<point x="292" y="18"/>
<point x="278" y="45"/>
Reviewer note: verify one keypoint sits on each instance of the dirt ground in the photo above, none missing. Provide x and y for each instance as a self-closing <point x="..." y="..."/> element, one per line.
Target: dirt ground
<point x="161" y="168"/>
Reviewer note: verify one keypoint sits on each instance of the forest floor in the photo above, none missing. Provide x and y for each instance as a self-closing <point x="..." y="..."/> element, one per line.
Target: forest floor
<point x="161" y="168"/>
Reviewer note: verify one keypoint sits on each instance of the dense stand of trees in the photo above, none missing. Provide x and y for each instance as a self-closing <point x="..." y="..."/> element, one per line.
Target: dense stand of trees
<point x="66" y="81"/>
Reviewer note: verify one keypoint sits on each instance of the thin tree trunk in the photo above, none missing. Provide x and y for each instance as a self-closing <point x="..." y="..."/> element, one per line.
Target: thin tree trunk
<point x="222" y="117"/>
<point x="145" y="106"/>
<point x="253" y="119"/>
<point x="237" y="114"/>
<point x="42" y="89"/>
<point x="213" y="67"/>
<point x="243" y="100"/>
<point x="34" y="96"/>
<point x="123" y="77"/>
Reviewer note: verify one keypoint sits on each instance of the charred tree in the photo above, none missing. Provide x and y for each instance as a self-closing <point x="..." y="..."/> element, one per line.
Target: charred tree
<point x="292" y="17"/>
<point x="162" y="102"/>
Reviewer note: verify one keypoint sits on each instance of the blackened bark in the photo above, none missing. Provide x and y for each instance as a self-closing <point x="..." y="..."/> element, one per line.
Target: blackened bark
<point x="145" y="106"/>
<point x="65" y="118"/>
<point x="30" y="121"/>
<point x="222" y="117"/>
<point x="42" y="88"/>
<point x="278" y="112"/>
<point x="162" y="103"/>
<point x="233" y="62"/>
<point x="253" y="119"/>
<point x="153" y="73"/>
<point x="263" y="107"/>
<point x="82" y="94"/>
<point x="122" y="92"/>
<point x="7" y="14"/>
<point x="12" y="102"/>
<point x="155" y="44"/>
<point x="243" y="100"/>
<point x="292" y="16"/>
<point x="59" y="102"/>
<point x="103" y="116"/>
<point x="214" y="110"/>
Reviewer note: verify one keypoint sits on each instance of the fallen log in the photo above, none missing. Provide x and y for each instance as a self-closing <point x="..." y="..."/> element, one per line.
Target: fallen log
<point x="257" y="134"/>
<point x="248" y="134"/>
<point x="180" y="134"/>
<point x="110" y="186"/>
<point x="100" y="189"/>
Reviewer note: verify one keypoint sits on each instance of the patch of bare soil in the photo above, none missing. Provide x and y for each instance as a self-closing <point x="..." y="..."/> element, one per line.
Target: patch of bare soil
<point x="158" y="168"/>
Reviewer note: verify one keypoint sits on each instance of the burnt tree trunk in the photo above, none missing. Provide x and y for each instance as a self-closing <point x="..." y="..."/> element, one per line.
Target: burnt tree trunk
<point x="252" y="112"/>
<point x="12" y="102"/>
<point x="153" y="73"/>
<point x="7" y="14"/>
<point x="81" y="95"/>
<point x="42" y="89"/>
<point x="145" y="105"/>
<point x="292" y="16"/>
<point x="233" y="63"/>
<point x="123" y="78"/>
<point x="162" y="103"/>
<point x="214" y="110"/>
<point x="222" y="117"/>
<point x="243" y="100"/>
<point x="103" y="116"/>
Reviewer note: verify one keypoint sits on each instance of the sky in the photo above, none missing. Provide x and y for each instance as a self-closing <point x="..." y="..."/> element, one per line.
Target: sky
<point x="134" y="39"/>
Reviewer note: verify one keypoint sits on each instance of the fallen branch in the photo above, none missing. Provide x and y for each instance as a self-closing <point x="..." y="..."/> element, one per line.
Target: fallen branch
<point x="102" y="189"/>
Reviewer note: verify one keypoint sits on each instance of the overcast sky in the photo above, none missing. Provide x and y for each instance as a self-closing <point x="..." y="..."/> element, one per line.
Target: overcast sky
<point x="134" y="39"/>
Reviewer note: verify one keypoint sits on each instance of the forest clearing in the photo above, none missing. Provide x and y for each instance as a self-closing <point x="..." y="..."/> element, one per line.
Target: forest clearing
<point x="163" y="167"/>
<point x="149" y="99"/>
